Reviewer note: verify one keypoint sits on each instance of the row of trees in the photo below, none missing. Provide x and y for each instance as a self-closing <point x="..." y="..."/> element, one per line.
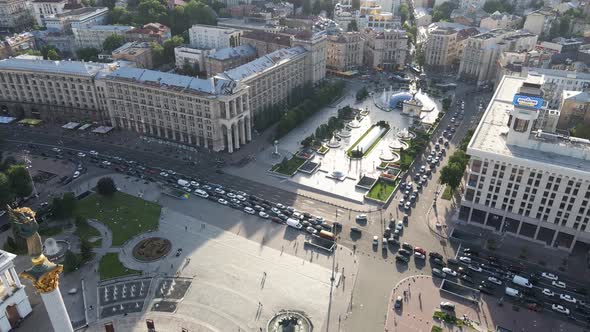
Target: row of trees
<point x="443" y="12"/>
<point x="502" y="6"/>
<point x="272" y="114"/>
<point x="320" y="98"/>
<point x="326" y="130"/>
<point x="452" y="173"/>
<point x="165" y="53"/>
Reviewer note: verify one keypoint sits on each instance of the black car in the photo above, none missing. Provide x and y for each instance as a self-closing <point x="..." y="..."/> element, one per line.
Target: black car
<point x="486" y="290"/>
<point x="236" y="206"/>
<point x="407" y="246"/>
<point x="277" y="220"/>
<point x="452" y="261"/>
<point x="402" y="259"/>
<point x="404" y="252"/>
<point x="355" y="230"/>
<point x="466" y="278"/>
<point x="438" y="273"/>
<point x="434" y="254"/>
<point x="439" y="262"/>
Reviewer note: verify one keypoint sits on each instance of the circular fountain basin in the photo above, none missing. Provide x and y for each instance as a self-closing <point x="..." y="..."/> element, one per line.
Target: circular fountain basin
<point x="397" y="145"/>
<point x="55" y="249"/>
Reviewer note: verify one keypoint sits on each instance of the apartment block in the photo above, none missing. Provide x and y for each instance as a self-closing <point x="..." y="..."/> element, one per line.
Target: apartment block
<point x="95" y="35"/>
<point x="574" y="109"/>
<point x="481" y="52"/>
<point x="444" y="45"/>
<point x="266" y="42"/>
<point x="45" y="8"/>
<point x="78" y="18"/>
<point x="11" y="46"/>
<point x="524" y="180"/>
<point x="140" y="53"/>
<point x="386" y="49"/>
<point x="213" y="37"/>
<point x="555" y="81"/>
<point x="501" y="21"/>
<point x="14" y="14"/>
<point x="344" y="52"/>
<point x="149" y="33"/>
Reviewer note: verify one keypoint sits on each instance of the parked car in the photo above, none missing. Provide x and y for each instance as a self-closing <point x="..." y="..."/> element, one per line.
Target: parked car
<point x="449" y="271"/>
<point x="464" y="259"/>
<point x="559" y="284"/>
<point x="438" y="273"/>
<point x="398" y="302"/>
<point x="560" y="308"/>
<point x="568" y="298"/>
<point x="548" y="292"/>
<point x="402" y="259"/>
<point x="447" y="306"/>
<point x="495" y="280"/>
<point x="549" y="276"/>
<point x="435" y="255"/>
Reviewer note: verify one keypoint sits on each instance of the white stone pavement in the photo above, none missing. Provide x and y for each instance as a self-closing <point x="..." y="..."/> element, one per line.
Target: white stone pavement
<point x="233" y="274"/>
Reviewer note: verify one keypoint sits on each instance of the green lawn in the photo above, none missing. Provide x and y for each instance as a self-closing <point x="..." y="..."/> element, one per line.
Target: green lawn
<point x="126" y="215"/>
<point x="85" y="232"/>
<point x="290" y="167"/>
<point x="381" y="190"/>
<point x="110" y="267"/>
<point x="436" y="329"/>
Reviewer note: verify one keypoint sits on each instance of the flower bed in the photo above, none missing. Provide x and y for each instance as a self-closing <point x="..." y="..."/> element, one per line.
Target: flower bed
<point x="323" y="150"/>
<point x="288" y="167"/>
<point x="382" y="190"/>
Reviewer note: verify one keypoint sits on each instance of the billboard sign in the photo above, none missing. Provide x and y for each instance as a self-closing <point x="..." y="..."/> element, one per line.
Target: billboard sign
<point x="527" y="101"/>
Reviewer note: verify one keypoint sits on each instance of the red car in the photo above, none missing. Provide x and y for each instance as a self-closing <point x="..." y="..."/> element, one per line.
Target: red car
<point x="420" y="250"/>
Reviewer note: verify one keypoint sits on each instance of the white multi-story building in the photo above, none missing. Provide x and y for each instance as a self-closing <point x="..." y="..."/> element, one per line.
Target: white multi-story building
<point x="45" y="8"/>
<point x="15" y="303"/>
<point x="522" y="179"/>
<point x="213" y="37"/>
<point x="94" y="36"/>
<point x="193" y="56"/>
<point x="501" y="21"/>
<point x="77" y="18"/>
<point x="271" y="78"/>
<point x="345" y="52"/>
<point x="444" y="44"/>
<point x="481" y="52"/>
<point x="370" y="15"/>
<point x="14" y="14"/>
<point x="208" y="113"/>
<point x="539" y="22"/>
<point x="385" y="49"/>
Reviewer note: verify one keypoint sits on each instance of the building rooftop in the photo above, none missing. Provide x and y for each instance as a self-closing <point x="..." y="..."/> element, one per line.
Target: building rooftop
<point x="234" y="52"/>
<point x="544" y="148"/>
<point x="559" y="73"/>
<point x="80" y="12"/>
<point x="107" y="27"/>
<point x="268" y="37"/>
<point x="161" y="79"/>
<point x="262" y="64"/>
<point x="578" y="96"/>
<point x="216" y="27"/>
<point x="132" y="47"/>
<point x="49" y="66"/>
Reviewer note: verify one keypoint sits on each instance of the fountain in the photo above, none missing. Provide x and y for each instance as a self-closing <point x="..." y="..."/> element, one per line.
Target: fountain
<point x="354" y="123"/>
<point x="405" y="134"/>
<point x="55" y="249"/>
<point x="334" y="143"/>
<point x="344" y="133"/>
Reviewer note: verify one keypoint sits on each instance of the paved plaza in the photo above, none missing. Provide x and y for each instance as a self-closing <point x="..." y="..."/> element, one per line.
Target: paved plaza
<point x="422" y="297"/>
<point x="229" y="278"/>
<point x="336" y="160"/>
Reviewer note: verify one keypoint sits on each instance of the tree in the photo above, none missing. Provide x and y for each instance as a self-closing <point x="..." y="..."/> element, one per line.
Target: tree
<point x="451" y="175"/>
<point x="170" y="45"/>
<point x="49" y="52"/>
<point x="109" y="3"/>
<point x="53" y="55"/>
<point x="353" y="26"/>
<point x="564" y="26"/>
<point x="6" y="196"/>
<point x="64" y="207"/>
<point x="113" y="42"/>
<point x="20" y="181"/>
<point x="502" y="6"/>
<point x="119" y="15"/>
<point x="106" y="186"/>
<point x="404" y="12"/>
<point x="86" y="250"/>
<point x="446" y="104"/>
<point x="151" y="11"/>
<point x="158" y="53"/>
<point x="362" y="94"/>
<point x="88" y="54"/>
<point x="306" y="7"/>
<point x="443" y="11"/>
<point x="71" y="262"/>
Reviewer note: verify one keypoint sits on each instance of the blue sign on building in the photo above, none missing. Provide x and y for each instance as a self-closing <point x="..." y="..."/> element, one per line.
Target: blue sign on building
<point x="527" y="101"/>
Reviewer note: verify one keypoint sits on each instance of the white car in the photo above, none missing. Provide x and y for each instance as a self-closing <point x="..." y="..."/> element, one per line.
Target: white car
<point x="311" y="230"/>
<point x="220" y="191"/>
<point x="56" y="150"/>
<point x="81" y="154"/>
<point x="76" y="174"/>
<point x="280" y="206"/>
<point x="275" y="210"/>
<point x="419" y="255"/>
<point x="263" y="214"/>
<point x="465" y="259"/>
<point x="548" y="292"/>
<point x="194" y="183"/>
<point x="249" y="210"/>
<point x="568" y="298"/>
<point x="241" y="198"/>
<point x="162" y="174"/>
<point x="559" y="284"/>
<point x="560" y="308"/>
<point x="231" y="195"/>
<point x="475" y="268"/>
<point x="399" y="226"/>
<point x="549" y="276"/>
<point x="106" y="163"/>
<point x="375" y="240"/>
<point x="222" y="201"/>
<point x="495" y="280"/>
<point x="201" y="193"/>
<point x="187" y="189"/>
<point x="449" y="271"/>
<point x="93" y="153"/>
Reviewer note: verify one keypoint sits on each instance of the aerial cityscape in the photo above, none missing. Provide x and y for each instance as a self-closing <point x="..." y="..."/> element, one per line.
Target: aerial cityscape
<point x="295" y="166"/>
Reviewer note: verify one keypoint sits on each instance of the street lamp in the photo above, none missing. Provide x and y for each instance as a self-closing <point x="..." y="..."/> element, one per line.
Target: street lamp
<point x="28" y="165"/>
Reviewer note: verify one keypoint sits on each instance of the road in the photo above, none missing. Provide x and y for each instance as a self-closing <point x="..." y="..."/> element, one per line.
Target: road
<point x="378" y="270"/>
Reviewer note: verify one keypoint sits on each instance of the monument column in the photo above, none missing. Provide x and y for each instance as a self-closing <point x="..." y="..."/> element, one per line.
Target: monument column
<point x="56" y="309"/>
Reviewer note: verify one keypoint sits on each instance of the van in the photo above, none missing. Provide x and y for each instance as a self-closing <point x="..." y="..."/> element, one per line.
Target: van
<point x="512" y="292"/>
<point x="201" y="193"/>
<point x="294" y="223"/>
<point x="183" y="183"/>
<point x="522" y="281"/>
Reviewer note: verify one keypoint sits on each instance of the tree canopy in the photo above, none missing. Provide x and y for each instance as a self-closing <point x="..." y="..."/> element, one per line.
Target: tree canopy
<point x="120" y="15"/>
<point x="113" y="42"/>
<point x="404" y="12"/>
<point x="20" y="181"/>
<point x="88" y="54"/>
<point x="443" y="11"/>
<point x="106" y="186"/>
<point x="6" y="195"/>
<point x="353" y="26"/>
<point x="502" y="6"/>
